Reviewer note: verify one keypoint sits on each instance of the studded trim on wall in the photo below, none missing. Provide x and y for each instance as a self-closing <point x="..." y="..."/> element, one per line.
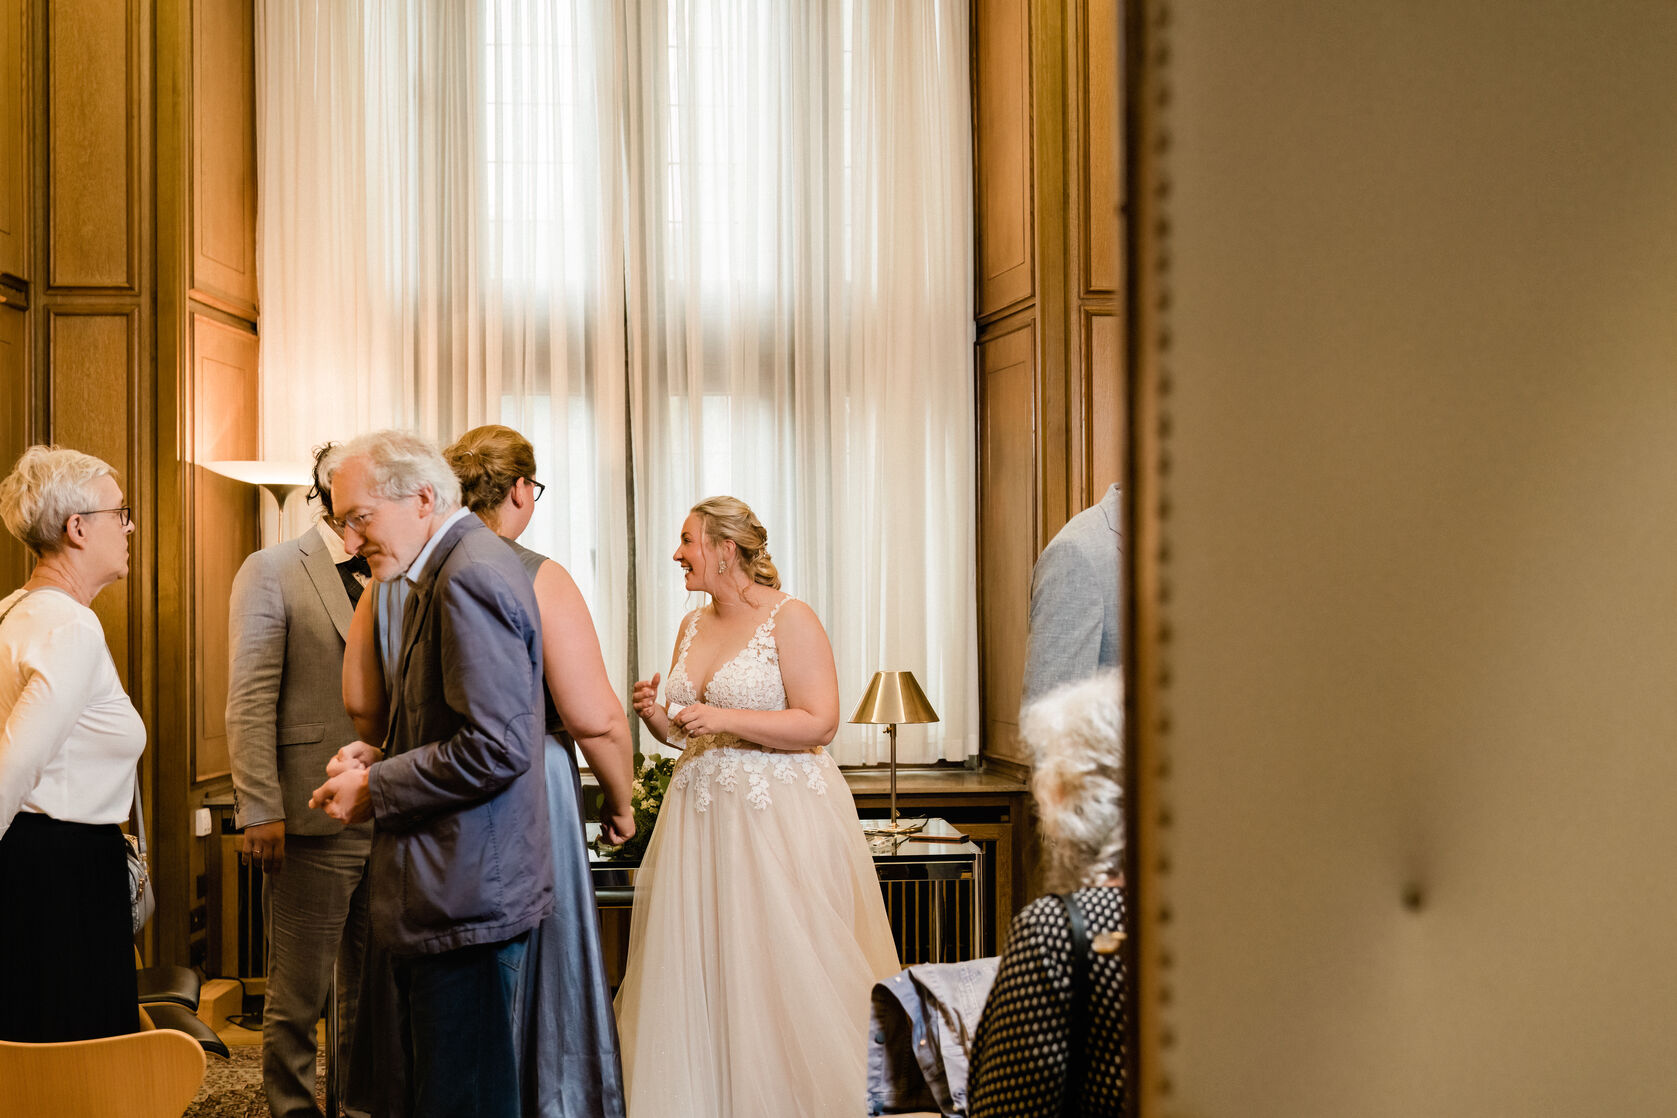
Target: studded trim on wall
<point x="1148" y="123"/>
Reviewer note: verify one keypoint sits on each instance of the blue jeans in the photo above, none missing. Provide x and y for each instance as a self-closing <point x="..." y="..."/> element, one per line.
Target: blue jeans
<point x="459" y="1022"/>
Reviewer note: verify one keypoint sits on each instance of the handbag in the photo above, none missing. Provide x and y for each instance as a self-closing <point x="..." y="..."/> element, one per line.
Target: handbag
<point x="141" y="900"/>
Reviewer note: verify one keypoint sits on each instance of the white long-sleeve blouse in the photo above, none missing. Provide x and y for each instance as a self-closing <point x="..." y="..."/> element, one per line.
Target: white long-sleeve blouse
<point x="69" y="734"/>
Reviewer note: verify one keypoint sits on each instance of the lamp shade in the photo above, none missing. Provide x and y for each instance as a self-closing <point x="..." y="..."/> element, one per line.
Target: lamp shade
<point x="280" y="480"/>
<point x="255" y="472"/>
<point x="893" y="698"/>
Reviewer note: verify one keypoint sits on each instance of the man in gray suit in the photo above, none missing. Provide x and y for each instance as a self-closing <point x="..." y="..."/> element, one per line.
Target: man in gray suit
<point x="291" y="608"/>
<point x="461" y="866"/>
<point x="1074" y="601"/>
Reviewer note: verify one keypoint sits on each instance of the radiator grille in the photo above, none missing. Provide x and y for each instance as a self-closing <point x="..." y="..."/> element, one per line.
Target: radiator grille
<point x="931" y="920"/>
<point x="238" y="946"/>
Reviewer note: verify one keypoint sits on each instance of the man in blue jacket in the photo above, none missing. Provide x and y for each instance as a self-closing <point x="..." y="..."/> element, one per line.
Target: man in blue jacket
<point x="461" y="868"/>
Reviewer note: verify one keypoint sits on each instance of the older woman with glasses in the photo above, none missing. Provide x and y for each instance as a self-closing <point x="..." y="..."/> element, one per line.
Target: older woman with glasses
<point x="68" y="748"/>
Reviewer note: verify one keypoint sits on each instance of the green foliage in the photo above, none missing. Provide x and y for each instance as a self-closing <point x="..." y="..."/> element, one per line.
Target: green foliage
<point x="646" y="798"/>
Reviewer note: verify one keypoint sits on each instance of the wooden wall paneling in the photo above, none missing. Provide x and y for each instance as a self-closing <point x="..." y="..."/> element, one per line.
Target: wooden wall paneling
<point x="1049" y="194"/>
<point x="1100" y="170"/>
<point x="94" y="188"/>
<point x="1059" y="404"/>
<point x="1098" y="252"/>
<point x="206" y="397"/>
<point x="225" y="425"/>
<point x="1103" y="387"/>
<point x="223" y="145"/>
<point x="14" y="430"/>
<point x="93" y="364"/>
<point x="15" y="164"/>
<point x="1004" y="162"/>
<point x="175" y="715"/>
<point x="1007" y="497"/>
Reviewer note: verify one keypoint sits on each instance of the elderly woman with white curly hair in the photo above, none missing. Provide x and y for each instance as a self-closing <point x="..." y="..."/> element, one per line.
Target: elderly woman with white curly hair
<point x="69" y="740"/>
<point x="1052" y="1037"/>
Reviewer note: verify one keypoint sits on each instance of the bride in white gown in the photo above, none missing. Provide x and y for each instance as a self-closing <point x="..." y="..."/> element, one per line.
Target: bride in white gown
<point x="758" y="928"/>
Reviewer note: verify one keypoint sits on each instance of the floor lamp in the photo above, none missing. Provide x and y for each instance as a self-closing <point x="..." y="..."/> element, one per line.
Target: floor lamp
<point x="893" y="699"/>
<point x="278" y="479"/>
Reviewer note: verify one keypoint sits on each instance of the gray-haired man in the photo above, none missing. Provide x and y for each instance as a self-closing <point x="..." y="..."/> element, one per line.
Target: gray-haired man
<point x="288" y="620"/>
<point x="461" y="866"/>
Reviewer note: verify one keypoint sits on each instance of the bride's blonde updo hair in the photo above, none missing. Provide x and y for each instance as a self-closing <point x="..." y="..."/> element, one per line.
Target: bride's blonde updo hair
<point x="729" y="518"/>
<point x="489" y="460"/>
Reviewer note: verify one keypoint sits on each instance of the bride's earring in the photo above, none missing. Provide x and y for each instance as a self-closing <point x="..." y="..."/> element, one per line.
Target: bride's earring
<point x="722" y="567"/>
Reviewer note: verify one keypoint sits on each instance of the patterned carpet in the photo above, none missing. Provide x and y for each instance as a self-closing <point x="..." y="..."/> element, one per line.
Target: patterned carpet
<point x="233" y="1087"/>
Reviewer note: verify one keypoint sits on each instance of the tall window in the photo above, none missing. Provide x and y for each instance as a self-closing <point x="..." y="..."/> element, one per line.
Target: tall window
<point x="688" y="247"/>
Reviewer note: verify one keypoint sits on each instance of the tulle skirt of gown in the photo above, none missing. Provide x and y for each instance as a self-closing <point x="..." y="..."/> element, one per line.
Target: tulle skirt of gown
<point x="757" y="934"/>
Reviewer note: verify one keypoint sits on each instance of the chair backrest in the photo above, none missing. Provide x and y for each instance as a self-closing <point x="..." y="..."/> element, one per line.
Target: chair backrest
<point x="151" y="1074"/>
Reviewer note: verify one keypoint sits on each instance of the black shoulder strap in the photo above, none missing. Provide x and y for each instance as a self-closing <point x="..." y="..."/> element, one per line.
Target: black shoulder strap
<point x="1077" y="1015"/>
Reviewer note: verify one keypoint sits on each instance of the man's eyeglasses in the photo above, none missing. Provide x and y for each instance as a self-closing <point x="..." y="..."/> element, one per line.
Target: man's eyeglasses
<point x="539" y="487"/>
<point x="124" y="512"/>
<point x="342" y="524"/>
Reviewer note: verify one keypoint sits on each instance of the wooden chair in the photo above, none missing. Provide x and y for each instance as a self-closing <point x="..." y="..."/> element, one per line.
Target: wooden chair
<point x="149" y="1074"/>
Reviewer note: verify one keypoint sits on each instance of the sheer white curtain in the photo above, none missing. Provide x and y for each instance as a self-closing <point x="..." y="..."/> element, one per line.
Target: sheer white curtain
<point x="441" y="246"/>
<point x="801" y="324"/>
<point x="737" y="234"/>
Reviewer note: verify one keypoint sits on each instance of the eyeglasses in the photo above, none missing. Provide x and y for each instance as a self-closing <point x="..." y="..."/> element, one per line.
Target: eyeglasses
<point x="358" y="522"/>
<point x="539" y="487"/>
<point x="122" y="511"/>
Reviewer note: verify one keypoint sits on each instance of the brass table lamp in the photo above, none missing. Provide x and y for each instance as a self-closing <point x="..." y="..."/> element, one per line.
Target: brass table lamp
<point x="893" y="699"/>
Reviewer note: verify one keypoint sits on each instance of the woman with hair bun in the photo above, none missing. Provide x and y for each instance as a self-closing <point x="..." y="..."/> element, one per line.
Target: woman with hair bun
<point x="758" y="928"/>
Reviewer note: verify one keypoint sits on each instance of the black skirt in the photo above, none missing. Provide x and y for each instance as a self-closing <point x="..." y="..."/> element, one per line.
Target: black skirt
<point x="66" y="942"/>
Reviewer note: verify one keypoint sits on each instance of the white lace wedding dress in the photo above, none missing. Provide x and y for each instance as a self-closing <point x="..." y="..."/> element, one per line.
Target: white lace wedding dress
<point x="758" y="928"/>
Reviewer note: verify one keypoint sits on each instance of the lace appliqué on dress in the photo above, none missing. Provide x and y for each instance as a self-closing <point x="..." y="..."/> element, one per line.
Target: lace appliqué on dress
<point x="720" y="767"/>
<point x="750" y="681"/>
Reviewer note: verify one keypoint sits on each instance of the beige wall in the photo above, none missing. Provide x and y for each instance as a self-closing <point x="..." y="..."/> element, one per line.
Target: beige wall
<point x="1410" y="609"/>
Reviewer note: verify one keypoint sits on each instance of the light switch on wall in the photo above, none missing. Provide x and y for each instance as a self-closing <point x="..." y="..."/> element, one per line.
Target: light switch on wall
<point x="201" y="822"/>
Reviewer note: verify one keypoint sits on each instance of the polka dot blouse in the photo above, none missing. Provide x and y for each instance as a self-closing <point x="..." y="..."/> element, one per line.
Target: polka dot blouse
<point x="1020" y="1053"/>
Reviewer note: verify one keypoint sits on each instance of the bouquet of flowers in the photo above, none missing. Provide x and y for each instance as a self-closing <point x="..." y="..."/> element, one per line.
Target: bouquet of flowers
<point x="646" y="797"/>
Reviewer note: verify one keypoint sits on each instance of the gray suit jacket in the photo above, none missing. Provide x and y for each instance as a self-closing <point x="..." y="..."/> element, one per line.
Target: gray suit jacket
<point x="460" y="837"/>
<point x="1074" y="601"/>
<point x="285" y="708"/>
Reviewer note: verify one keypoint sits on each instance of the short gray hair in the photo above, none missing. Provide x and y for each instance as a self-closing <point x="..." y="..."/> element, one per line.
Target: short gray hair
<point x="1076" y="735"/>
<point x="48" y="486"/>
<point x="400" y="464"/>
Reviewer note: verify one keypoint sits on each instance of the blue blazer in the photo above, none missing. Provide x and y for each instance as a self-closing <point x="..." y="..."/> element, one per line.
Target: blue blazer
<point x="461" y="853"/>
